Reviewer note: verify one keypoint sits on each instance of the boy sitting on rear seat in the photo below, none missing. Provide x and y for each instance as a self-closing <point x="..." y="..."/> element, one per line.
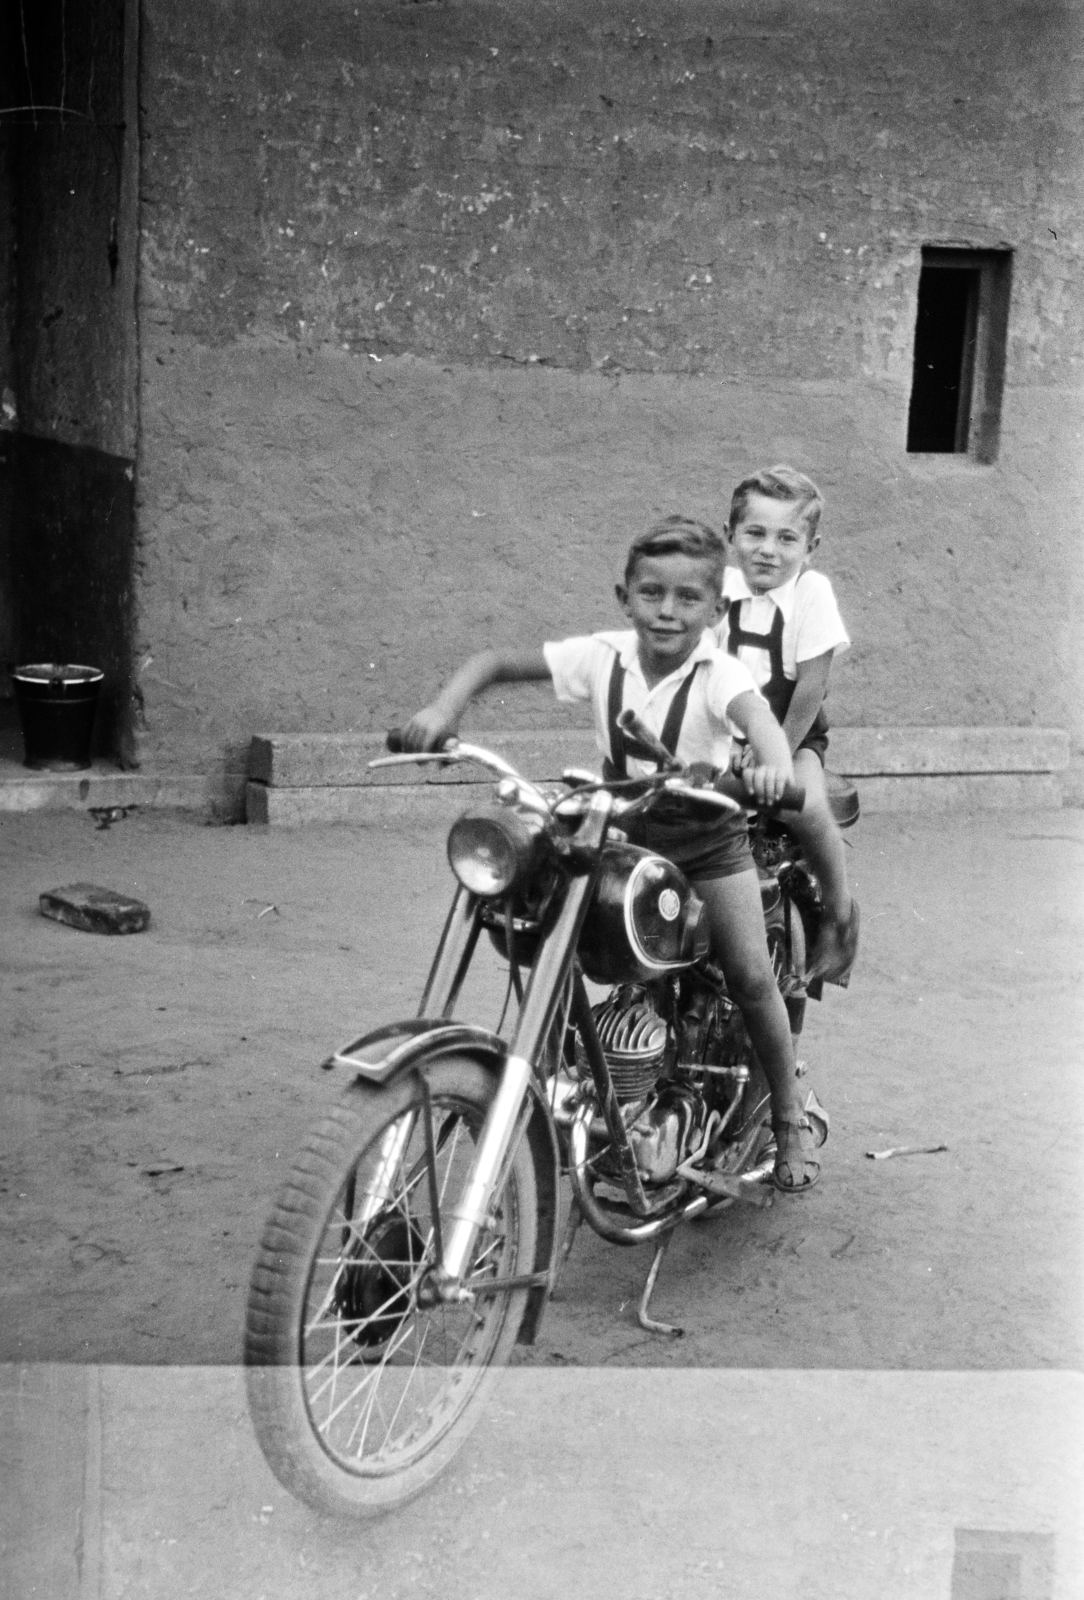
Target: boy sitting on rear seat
<point x="782" y="621"/>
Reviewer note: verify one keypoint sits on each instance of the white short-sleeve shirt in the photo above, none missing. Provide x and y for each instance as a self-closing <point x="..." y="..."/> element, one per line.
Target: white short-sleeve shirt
<point x="811" y="620"/>
<point x="581" y="669"/>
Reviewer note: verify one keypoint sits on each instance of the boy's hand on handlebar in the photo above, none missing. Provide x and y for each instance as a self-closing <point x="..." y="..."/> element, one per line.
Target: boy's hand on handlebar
<point x="765" y="783"/>
<point x="428" y="729"/>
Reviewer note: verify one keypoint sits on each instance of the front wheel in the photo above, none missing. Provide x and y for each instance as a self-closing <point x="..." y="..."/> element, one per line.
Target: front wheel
<point x="360" y="1396"/>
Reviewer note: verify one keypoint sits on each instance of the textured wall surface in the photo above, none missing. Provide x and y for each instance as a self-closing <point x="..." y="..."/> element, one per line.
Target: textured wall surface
<point x="440" y="302"/>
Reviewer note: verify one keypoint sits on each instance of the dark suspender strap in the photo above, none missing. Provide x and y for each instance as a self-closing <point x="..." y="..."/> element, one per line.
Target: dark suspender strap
<point x="734" y="630"/>
<point x="618" y="763"/>
<point x="772" y="642"/>
<point x="621" y="746"/>
<point x="779" y="688"/>
<point x="671" y="728"/>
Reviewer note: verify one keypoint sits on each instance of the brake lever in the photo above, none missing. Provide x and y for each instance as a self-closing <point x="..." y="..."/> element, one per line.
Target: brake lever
<point x="631" y="724"/>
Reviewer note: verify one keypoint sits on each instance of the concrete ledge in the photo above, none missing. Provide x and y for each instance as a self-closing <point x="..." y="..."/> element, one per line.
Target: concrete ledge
<point x="869" y="752"/>
<point x="992" y="791"/>
<point x="316" y="760"/>
<point x="24" y="790"/>
<point x="362" y="805"/>
<point x="373" y="806"/>
<point x="312" y="760"/>
<point x="296" y="778"/>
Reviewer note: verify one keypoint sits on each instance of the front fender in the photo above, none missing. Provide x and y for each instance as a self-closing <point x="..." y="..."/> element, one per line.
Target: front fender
<point x="381" y="1057"/>
<point x="386" y="1053"/>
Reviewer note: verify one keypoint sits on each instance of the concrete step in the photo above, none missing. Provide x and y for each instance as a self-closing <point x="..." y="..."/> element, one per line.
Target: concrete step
<point x="298" y="778"/>
<point x="99" y="785"/>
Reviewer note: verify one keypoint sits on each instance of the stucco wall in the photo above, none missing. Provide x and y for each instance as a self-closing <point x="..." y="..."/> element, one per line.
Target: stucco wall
<point x="439" y="303"/>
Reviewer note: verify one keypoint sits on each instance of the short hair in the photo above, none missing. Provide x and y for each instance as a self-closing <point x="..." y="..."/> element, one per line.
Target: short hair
<point x="678" y="535"/>
<point x="779" y="483"/>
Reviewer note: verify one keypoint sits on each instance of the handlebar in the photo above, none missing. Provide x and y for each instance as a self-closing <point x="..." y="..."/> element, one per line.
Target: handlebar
<point x="704" y="783"/>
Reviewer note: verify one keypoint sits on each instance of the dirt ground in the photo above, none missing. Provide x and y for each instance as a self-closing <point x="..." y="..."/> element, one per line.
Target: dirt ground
<point x="154" y="1087"/>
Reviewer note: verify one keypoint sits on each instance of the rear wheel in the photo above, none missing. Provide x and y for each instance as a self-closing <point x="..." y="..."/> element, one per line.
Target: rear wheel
<point x="360" y="1397"/>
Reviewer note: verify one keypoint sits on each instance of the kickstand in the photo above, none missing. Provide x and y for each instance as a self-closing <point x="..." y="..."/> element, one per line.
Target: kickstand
<point x="572" y="1227"/>
<point x="646" y="1322"/>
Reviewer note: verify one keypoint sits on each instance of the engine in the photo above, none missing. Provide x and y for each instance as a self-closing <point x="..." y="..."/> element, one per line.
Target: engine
<point x="633" y="1039"/>
<point x="662" y="1119"/>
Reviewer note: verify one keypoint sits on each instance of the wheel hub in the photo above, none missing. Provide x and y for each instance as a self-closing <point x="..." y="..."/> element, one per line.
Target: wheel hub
<point x="373" y="1292"/>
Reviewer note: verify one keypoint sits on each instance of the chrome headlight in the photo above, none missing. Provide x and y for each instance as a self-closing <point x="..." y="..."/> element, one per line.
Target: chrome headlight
<point x="494" y="848"/>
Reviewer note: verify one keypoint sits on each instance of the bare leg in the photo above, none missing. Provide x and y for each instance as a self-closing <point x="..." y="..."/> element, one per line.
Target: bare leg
<point x="739" y="942"/>
<point x="815" y="829"/>
<point x="832" y="957"/>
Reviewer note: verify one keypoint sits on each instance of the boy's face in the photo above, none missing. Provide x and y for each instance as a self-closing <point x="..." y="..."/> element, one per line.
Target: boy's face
<point x="670" y="600"/>
<point x="770" y="543"/>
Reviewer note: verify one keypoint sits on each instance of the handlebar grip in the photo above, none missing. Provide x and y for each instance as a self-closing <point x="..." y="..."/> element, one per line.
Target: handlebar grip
<point x="729" y="783"/>
<point x="792" y="798"/>
<point x="397" y="745"/>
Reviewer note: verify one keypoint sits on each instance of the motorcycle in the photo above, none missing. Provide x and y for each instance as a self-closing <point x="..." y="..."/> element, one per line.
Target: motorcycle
<point x="417" y="1239"/>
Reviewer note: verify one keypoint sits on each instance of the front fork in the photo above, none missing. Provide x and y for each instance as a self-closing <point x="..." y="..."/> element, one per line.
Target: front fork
<point x="537" y="1013"/>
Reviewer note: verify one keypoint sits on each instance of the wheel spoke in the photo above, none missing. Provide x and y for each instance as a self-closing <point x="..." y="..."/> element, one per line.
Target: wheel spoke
<point x="451" y="1158"/>
<point x="370" y="1378"/>
<point x="407" y="1383"/>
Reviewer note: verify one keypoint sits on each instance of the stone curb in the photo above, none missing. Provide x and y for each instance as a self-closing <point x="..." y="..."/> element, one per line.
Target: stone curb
<point x="310" y="761"/>
<point x="388" y="805"/>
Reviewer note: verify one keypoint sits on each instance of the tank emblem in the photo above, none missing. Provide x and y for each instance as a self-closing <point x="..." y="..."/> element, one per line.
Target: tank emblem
<point x="669" y="904"/>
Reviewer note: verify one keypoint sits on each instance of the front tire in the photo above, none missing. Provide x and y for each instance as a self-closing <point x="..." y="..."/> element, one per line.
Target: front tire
<point x="359" y="1396"/>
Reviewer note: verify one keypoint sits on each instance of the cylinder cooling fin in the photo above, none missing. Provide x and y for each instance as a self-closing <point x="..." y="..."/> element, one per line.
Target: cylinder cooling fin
<point x="633" y="1040"/>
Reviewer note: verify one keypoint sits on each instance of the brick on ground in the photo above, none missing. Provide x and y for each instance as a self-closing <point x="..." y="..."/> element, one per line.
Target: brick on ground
<point x="95" y="910"/>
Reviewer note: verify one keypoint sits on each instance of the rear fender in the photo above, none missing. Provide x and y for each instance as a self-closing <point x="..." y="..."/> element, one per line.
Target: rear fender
<point x="385" y="1055"/>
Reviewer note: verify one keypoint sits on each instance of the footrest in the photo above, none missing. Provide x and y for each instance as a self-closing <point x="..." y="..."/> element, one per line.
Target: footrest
<point x="842" y="799"/>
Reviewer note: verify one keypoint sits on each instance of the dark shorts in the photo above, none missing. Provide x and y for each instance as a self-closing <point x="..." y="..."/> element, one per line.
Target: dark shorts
<point x="701" y="849"/>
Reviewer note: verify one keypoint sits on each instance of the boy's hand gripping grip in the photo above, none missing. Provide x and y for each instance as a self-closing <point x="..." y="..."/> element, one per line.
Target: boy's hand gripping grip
<point x="397" y="744"/>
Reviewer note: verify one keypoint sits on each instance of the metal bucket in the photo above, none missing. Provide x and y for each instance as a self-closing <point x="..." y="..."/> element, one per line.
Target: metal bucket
<point x="57" y="705"/>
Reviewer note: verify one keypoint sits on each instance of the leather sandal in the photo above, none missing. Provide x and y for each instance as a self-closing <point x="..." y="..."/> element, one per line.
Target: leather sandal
<point x="796" y="1167"/>
<point x="835" y="950"/>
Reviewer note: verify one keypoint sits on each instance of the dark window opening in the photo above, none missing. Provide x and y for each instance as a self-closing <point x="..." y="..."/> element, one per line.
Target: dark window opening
<point x="959" y="369"/>
<point x="944" y="359"/>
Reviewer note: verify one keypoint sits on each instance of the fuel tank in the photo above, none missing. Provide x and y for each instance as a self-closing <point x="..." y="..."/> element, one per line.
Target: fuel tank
<point x="644" y="919"/>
